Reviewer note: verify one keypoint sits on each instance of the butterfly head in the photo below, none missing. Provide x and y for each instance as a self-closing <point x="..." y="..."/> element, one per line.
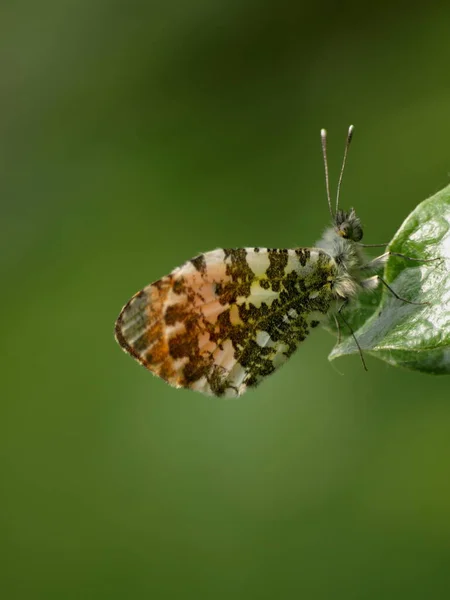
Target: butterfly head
<point x="348" y="225"/>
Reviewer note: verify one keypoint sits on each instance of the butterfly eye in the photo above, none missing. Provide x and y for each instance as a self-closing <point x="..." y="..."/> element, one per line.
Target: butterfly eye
<point x="350" y="231"/>
<point x="344" y="230"/>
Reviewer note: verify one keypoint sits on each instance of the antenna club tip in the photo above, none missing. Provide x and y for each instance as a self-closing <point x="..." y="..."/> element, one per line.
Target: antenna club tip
<point x="323" y="133"/>
<point x="351" y="129"/>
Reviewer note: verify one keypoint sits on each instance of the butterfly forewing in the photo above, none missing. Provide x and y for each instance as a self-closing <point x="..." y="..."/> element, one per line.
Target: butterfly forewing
<point x="227" y="318"/>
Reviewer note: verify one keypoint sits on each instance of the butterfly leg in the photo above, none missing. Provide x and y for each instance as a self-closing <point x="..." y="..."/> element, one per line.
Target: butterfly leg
<point x="338" y="327"/>
<point x="371" y="283"/>
<point x="339" y="312"/>
<point x="380" y="261"/>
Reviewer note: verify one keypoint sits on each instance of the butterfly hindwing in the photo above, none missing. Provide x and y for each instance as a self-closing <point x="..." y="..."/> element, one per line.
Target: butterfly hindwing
<point x="227" y="318"/>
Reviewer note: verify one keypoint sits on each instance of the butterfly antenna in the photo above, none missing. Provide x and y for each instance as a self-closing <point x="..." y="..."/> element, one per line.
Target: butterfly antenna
<point x="323" y="136"/>
<point x="347" y="146"/>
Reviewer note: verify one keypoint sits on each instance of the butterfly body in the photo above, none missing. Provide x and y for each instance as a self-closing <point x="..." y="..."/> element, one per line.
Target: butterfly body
<point x="228" y="318"/>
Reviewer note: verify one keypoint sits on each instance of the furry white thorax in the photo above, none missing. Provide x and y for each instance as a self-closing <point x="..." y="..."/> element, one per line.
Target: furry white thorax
<point x="349" y="259"/>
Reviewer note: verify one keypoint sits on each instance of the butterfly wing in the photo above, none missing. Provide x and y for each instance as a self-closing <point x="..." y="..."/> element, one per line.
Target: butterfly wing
<point x="228" y="318"/>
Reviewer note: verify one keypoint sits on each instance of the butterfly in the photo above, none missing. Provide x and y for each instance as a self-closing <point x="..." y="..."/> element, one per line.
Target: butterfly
<point x="226" y="319"/>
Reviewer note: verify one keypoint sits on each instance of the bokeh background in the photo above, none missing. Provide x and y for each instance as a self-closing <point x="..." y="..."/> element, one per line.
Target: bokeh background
<point x="132" y="136"/>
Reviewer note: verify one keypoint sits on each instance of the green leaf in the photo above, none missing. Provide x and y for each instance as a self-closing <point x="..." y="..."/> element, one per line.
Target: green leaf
<point x="416" y="337"/>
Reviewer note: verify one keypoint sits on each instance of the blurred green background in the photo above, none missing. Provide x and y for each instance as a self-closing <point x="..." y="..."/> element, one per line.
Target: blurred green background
<point x="132" y="136"/>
